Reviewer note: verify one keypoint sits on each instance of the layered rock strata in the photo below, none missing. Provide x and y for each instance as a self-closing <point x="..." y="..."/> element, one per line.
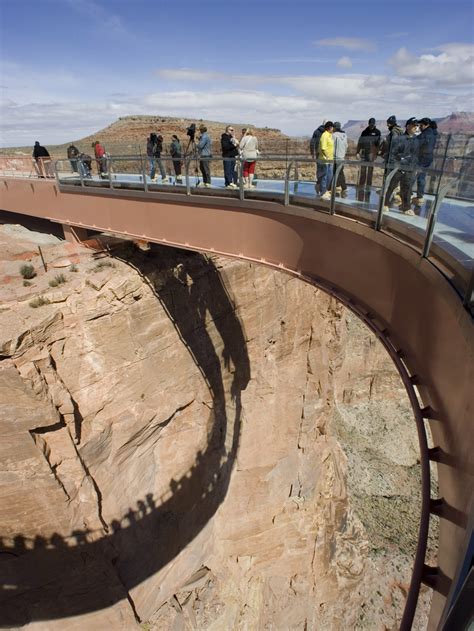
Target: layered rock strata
<point x="197" y="443"/>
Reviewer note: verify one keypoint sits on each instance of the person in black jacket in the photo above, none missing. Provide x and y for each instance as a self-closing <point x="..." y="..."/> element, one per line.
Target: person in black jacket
<point x="367" y="150"/>
<point x="42" y="160"/>
<point x="230" y="150"/>
<point x="427" y="141"/>
<point x="404" y="154"/>
<point x="176" y="154"/>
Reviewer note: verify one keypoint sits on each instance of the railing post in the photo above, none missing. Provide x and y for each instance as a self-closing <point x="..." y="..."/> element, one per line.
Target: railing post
<point x="467" y="301"/>
<point x="387" y="178"/>
<point x="109" y="164"/>
<point x="241" y="180"/>
<point x="297" y="177"/>
<point x="145" y="181"/>
<point x="337" y="170"/>
<point x="286" y="199"/>
<point x="186" y="175"/>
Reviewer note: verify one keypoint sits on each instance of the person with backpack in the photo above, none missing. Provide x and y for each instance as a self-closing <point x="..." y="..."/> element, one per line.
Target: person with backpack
<point x="176" y="153"/>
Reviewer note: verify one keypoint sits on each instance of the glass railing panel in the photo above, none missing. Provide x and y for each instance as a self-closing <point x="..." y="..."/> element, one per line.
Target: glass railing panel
<point x="357" y="186"/>
<point x="451" y="239"/>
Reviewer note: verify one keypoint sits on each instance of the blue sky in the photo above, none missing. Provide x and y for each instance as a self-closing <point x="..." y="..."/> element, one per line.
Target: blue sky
<point x="70" y="67"/>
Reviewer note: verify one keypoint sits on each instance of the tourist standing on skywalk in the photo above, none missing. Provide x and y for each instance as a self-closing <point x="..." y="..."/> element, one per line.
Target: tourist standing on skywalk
<point x="230" y="150"/>
<point x="314" y="147"/>
<point x="249" y="153"/>
<point x="325" y="161"/>
<point x="100" y="158"/>
<point x="73" y="154"/>
<point x="42" y="160"/>
<point x="404" y="154"/>
<point x="340" y="149"/>
<point x="176" y="154"/>
<point x="204" y="148"/>
<point x="427" y="141"/>
<point x="367" y="150"/>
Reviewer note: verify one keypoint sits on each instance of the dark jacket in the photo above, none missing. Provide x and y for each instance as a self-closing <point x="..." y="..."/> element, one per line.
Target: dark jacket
<point x="314" y="142"/>
<point x="72" y="151"/>
<point x="405" y="150"/>
<point x="40" y="152"/>
<point x="386" y="146"/>
<point x="229" y="150"/>
<point x="427" y="141"/>
<point x="369" y="143"/>
<point x="175" y="148"/>
<point x="158" y="148"/>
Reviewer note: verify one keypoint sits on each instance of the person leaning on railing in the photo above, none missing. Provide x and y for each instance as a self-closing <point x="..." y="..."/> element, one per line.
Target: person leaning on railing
<point x="43" y="163"/>
<point x="427" y="141"/>
<point x="230" y="150"/>
<point x="100" y="158"/>
<point x="72" y="154"/>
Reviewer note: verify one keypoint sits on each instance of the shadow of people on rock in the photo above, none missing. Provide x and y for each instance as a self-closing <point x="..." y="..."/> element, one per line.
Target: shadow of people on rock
<point x="148" y="537"/>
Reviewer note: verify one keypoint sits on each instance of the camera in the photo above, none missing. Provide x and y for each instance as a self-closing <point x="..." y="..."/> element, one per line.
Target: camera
<point x="191" y="131"/>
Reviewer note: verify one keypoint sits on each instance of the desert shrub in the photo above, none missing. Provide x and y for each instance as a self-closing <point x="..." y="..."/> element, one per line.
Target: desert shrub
<point x="73" y="268"/>
<point x="26" y="283"/>
<point x="59" y="279"/>
<point x="40" y="301"/>
<point x="102" y="264"/>
<point x="27" y="271"/>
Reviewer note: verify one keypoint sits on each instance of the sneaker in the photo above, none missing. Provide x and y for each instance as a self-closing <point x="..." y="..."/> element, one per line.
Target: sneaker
<point x="418" y="201"/>
<point x="344" y="193"/>
<point x="409" y="212"/>
<point x="326" y="196"/>
<point x="232" y="185"/>
<point x="338" y="190"/>
<point x="165" y="180"/>
<point x="153" y="179"/>
<point x="385" y="209"/>
<point x="179" y="178"/>
<point x="201" y="185"/>
<point x="207" y="185"/>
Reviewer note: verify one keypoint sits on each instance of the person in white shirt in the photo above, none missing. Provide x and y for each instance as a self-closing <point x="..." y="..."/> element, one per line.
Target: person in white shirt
<point x="249" y="153"/>
<point x="340" y="148"/>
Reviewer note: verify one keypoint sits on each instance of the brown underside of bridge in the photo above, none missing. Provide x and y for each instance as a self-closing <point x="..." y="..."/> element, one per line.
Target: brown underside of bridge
<point x="423" y="315"/>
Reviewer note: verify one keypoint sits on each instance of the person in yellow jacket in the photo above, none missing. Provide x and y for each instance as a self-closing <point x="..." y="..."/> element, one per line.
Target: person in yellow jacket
<point x="325" y="160"/>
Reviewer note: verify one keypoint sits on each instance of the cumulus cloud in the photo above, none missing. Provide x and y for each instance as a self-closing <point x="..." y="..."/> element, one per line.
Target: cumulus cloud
<point x="350" y="43"/>
<point x="344" y="62"/>
<point x="451" y="65"/>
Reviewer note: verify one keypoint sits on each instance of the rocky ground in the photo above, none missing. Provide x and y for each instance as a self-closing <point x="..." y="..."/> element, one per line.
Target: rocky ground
<point x="196" y="443"/>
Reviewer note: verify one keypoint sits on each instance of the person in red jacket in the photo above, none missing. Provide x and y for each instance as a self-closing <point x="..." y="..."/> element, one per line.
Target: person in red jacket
<point x="100" y="158"/>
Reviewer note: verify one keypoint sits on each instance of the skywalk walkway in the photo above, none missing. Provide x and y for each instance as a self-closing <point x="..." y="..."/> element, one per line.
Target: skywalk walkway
<point x="409" y="278"/>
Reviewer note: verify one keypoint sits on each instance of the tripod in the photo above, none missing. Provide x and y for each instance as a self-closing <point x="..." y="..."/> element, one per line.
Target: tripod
<point x="191" y="150"/>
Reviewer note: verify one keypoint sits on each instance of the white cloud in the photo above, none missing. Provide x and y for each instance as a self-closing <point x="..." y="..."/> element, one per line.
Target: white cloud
<point x="350" y="43"/>
<point x="345" y="62"/>
<point x="452" y="65"/>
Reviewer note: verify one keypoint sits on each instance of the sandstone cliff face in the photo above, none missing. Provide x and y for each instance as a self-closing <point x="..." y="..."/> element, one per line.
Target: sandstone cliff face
<point x="194" y="443"/>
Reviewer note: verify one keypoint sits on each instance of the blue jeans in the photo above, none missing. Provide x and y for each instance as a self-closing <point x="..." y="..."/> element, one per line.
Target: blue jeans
<point x="324" y="177"/>
<point x="229" y="171"/>
<point x="153" y="162"/>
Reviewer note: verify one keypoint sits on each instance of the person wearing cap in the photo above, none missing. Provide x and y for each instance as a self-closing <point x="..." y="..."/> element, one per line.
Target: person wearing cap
<point x="325" y="161"/>
<point x="204" y="148"/>
<point x="314" y="146"/>
<point x="394" y="130"/>
<point x="404" y="154"/>
<point x="367" y="150"/>
<point x="340" y="149"/>
<point x="426" y="142"/>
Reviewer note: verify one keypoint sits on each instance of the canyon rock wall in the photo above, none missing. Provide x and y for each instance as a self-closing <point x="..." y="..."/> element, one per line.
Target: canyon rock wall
<point x="197" y="443"/>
